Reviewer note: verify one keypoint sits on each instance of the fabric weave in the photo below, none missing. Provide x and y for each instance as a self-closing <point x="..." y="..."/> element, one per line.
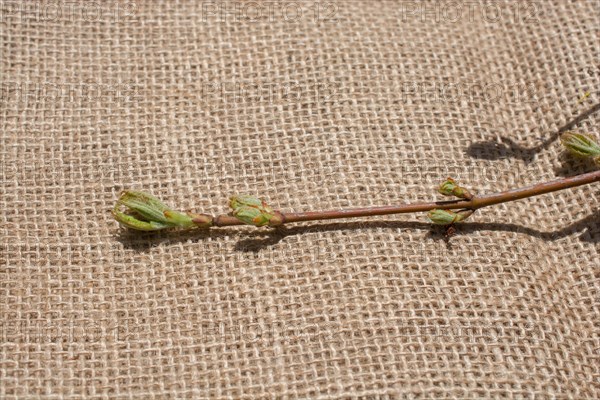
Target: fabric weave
<point x="310" y="105"/>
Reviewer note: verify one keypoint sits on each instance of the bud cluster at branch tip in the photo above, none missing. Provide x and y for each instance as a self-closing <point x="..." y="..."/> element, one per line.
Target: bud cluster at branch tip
<point x="145" y="212"/>
<point x="253" y="211"/>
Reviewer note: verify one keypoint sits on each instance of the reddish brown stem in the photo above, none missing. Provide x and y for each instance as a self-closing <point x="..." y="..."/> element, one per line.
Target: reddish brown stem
<point x="473" y="204"/>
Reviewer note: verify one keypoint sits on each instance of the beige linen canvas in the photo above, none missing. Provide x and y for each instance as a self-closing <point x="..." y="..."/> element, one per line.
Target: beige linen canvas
<point x="310" y="105"/>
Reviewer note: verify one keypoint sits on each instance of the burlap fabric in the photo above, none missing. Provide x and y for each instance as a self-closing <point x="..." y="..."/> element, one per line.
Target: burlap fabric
<point x="312" y="106"/>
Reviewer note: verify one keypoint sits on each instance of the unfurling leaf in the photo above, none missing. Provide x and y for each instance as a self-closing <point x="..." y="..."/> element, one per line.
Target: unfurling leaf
<point x="145" y="212"/>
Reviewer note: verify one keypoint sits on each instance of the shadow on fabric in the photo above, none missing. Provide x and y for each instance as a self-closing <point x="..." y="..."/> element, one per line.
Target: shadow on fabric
<point x="492" y="150"/>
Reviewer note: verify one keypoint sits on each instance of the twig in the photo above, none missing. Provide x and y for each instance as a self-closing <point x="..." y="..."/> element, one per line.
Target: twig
<point x="147" y="213"/>
<point x="475" y="203"/>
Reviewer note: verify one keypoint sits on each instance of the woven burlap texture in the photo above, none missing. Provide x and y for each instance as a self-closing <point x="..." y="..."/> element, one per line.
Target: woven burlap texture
<point x="311" y="106"/>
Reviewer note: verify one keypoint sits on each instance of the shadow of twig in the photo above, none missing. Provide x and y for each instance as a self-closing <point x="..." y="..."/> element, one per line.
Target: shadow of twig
<point x="571" y="165"/>
<point x="142" y="241"/>
<point x="492" y="150"/>
<point x="589" y="226"/>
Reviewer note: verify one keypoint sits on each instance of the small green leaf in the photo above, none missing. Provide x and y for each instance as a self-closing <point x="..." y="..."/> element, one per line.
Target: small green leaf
<point x="134" y="223"/>
<point x="580" y="144"/>
<point x="145" y="204"/>
<point x="245" y="200"/>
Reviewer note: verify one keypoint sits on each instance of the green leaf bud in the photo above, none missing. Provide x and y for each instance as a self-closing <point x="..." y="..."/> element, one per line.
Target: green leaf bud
<point x="448" y="217"/>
